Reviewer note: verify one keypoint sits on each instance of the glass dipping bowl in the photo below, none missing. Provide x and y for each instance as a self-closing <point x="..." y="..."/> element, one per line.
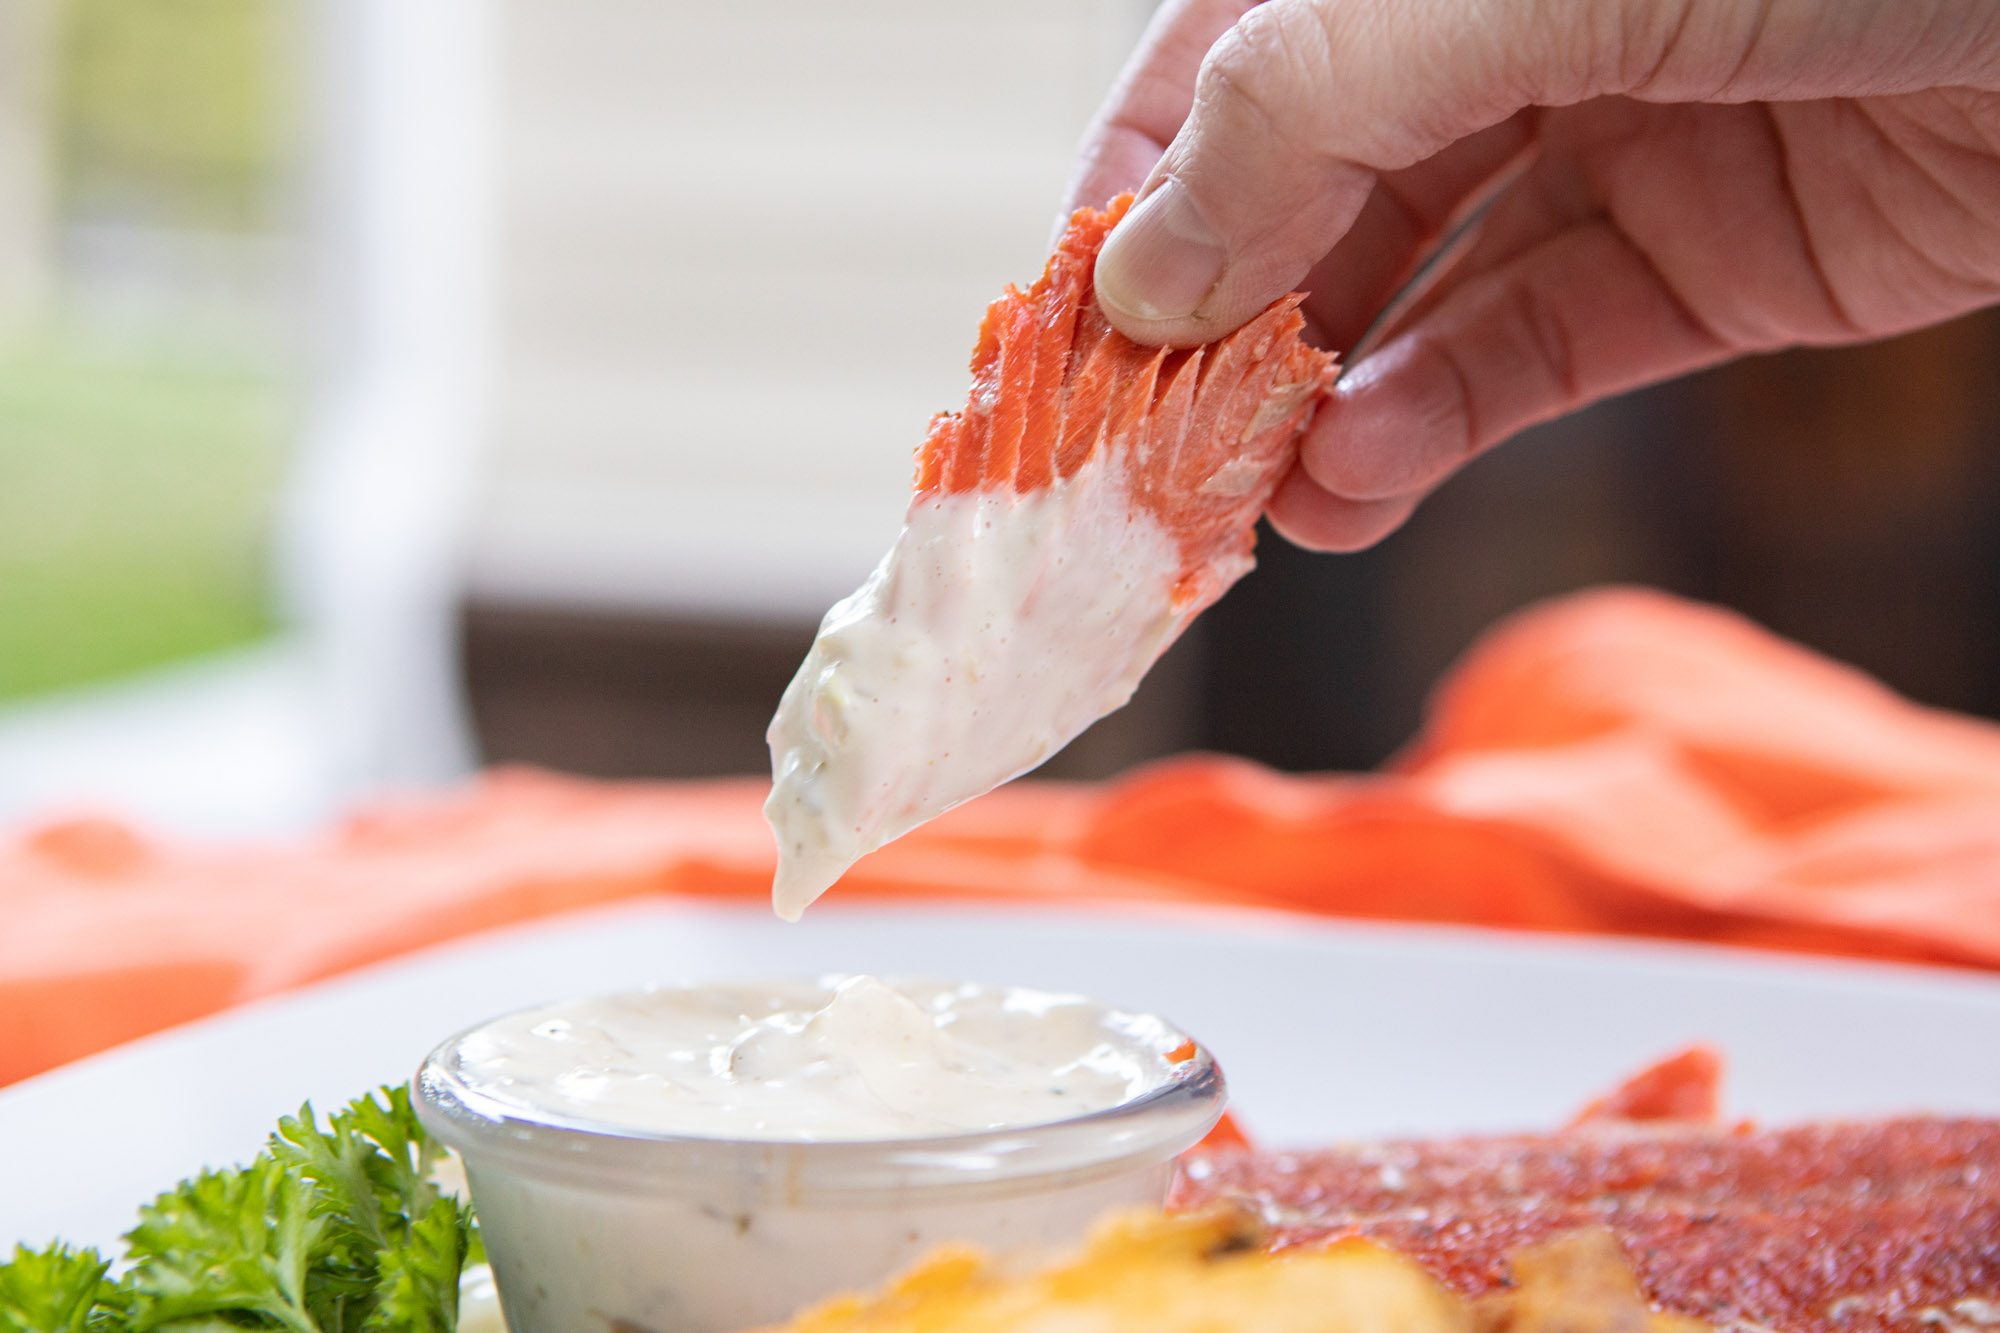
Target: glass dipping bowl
<point x="601" y="1227"/>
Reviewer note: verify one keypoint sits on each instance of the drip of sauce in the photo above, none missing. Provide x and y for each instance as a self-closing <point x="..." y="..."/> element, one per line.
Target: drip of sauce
<point x="856" y="1058"/>
<point x="996" y="630"/>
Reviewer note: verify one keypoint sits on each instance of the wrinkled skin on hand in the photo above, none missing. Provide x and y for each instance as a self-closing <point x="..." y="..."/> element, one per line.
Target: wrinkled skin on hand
<point x="1710" y="178"/>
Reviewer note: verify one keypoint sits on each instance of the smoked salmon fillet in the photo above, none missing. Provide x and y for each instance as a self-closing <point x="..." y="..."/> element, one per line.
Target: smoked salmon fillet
<point x="1886" y="1226"/>
<point x="1092" y="497"/>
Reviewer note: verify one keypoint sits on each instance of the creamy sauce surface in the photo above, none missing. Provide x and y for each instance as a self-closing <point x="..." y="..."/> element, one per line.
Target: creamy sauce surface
<point x="997" y="629"/>
<point x="845" y="1059"/>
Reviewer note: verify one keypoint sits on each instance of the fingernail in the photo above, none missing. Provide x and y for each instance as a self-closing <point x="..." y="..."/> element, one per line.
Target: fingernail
<point x="1162" y="261"/>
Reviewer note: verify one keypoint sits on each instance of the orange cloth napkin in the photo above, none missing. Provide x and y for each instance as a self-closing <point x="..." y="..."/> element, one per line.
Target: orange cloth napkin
<point x="1614" y="761"/>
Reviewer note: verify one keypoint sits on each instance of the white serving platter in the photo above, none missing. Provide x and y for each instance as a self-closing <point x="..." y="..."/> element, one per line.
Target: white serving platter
<point x="1326" y="1029"/>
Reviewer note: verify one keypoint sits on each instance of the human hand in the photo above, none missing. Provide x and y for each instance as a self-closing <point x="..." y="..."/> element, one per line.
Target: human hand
<point x="1710" y="178"/>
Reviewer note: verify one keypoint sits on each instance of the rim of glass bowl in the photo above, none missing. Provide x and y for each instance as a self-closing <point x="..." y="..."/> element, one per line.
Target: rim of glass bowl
<point x="1154" y="1127"/>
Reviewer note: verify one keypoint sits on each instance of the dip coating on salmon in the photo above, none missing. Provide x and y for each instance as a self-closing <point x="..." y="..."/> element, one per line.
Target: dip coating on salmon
<point x="1092" y="498"/>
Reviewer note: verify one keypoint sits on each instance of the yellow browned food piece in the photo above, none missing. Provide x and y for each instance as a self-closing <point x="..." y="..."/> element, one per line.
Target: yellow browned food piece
<point x="1208" y="1273"/>
<point x="1578" y="1282"/>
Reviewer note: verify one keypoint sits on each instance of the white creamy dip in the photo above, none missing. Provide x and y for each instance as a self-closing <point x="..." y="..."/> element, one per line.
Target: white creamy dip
<point x="997" y="628"/>
<point x="851" y="1058"/>
<point x="703" y="1159"/>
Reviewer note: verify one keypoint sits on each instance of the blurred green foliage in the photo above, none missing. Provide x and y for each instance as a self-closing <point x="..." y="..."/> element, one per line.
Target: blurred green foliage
<point x="172" y="107"/>
<point x="135" y="504"/>
<point x="136" y="490"/>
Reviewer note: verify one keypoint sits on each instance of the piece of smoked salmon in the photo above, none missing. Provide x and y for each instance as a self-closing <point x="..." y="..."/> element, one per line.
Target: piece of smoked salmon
<point x="1888" y="1226"/>
<point x="1093" y="496"/>
<point x="1685" y="1086"/>
<point x="1198" y="437"/>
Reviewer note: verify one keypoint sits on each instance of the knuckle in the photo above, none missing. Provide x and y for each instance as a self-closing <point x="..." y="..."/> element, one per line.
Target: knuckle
<point x="1268" y="69"/>
<point x="1561" y="52"/>
<point x="1556" y="53"/>
<point x="1651" y="47"/>
<point x="1449" y="412"/>
<point x="1547" y="341"/>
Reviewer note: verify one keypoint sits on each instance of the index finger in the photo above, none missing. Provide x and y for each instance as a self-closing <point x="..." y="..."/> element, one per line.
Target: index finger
<point x="1153" y="95"/>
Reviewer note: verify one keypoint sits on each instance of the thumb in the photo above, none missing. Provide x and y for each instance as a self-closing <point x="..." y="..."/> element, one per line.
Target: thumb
<point x="1246" y="198"/>
<point x="1298" y="108"/>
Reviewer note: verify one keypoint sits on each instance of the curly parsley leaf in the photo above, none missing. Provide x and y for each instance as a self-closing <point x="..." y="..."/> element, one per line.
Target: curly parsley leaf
<point x="51" y="1291"/>
<point x="229" y="1246"/>
<point x="391" y="1236"/>
<point x="417" y="1290"/>
<point x="331" y="1230"/>
<point x="372" y="1164"/>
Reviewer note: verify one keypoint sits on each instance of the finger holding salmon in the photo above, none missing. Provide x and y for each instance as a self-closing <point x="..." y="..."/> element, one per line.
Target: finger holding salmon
<point x="1091" y="499"/>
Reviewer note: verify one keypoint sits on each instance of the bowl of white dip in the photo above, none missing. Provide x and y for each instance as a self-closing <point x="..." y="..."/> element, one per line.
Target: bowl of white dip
<point x="693" y="1159"/>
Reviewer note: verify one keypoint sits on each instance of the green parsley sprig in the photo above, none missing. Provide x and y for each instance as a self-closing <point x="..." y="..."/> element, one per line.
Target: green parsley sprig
<point x="334" y="1230"/>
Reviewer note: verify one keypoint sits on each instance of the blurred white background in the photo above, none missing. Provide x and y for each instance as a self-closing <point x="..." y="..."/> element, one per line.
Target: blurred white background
<point x="637" y="305"/>
<point x="744" y="254"/>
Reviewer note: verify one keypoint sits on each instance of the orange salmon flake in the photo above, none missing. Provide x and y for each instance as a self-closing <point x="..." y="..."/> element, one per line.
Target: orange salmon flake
<point x="1204" y="434"/>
